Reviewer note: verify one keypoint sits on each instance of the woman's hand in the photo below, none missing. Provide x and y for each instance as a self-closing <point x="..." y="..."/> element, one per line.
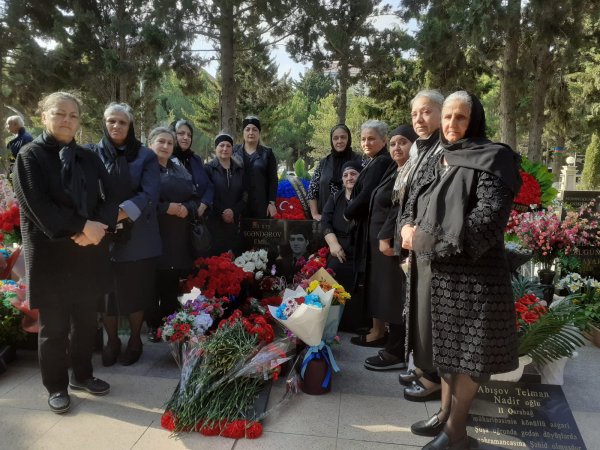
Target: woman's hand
<point x="385" y="248"/>
<point x="201" y="209"/>
<point x="271" y="210"/>
<point x="227" y="216"/>
<point x="173" y="209"/>
<point x="94" y="231"/>
<point x="81" y="239"/>
<point x="316" y="216"/>
<point x="407" y="233"/>
<point x="122" y="215"/>
<point x="337" y="251"/>
<point x="182" y="212"/>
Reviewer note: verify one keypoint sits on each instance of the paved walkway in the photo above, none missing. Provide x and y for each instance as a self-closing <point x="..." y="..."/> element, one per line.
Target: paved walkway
<point x="365" y="409"/>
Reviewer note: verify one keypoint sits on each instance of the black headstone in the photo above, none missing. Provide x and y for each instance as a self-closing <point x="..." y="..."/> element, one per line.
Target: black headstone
<point x="509" y="415"/>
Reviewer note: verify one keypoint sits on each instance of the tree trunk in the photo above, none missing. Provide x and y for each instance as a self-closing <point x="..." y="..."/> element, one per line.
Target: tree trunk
<point x="344" y="83"/>
<point x="543" y="75"/>
<point x="228" y="87"/>
<point x="509" y="75"/>
<point x="558" y="158"/>
<point x="121" y="94"/>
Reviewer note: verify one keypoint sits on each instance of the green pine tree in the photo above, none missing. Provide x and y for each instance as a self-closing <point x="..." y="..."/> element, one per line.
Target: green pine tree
<point x="591" y="169"/>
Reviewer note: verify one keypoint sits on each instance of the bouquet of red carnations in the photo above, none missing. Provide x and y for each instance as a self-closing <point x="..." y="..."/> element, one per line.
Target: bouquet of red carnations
<point x="218" y="276"/>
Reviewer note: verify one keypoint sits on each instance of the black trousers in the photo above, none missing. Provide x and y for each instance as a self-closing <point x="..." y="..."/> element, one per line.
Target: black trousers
<point x="166" y="303"/>
<point x="56" y="322"/>
<point x="396" y="338"/>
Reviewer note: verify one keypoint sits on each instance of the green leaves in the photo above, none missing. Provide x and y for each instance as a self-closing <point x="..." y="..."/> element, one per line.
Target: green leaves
<point x="544" y="178"/>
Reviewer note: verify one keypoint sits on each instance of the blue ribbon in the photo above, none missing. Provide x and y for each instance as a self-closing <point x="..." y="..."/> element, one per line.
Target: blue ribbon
<point x="321" y="351"/>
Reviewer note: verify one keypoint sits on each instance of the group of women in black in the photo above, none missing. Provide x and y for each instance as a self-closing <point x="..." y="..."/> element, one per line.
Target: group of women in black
<point x="434" y="206"/>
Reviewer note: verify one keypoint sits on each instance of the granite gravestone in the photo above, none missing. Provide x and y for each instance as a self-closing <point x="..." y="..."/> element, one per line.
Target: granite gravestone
<point x="509" y="415"/>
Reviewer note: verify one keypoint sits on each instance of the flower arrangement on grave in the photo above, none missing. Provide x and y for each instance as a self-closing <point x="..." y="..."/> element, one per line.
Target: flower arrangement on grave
<point x="218" y="276"/>
<point x="221" y="377"/>
<point x="192" y="320"/>
<point x="254" y="262"/>
<point x="11" y="331"/>
<point x="291" y="201"/>
<point x="545" y="334"/>
<point x="10" y="220"/>
<point x="316" y="261"/>
<point x="536" y="189"/>
<point x="575" y="283"/>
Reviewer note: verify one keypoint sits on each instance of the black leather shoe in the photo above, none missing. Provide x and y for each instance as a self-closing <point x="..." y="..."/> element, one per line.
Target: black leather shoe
<point x="110" y="354"/>
<point x="362" y="341"/>
<point x="442" y="442"/>
<point x="406" y="378"/>
<point x="130" y="356"/>
<point x="94" y="386"/>
<point x="430" y="427"/>
<point x="59" y="402"/>
<point x="416" y="392"/>
<point x="384" y="361"/>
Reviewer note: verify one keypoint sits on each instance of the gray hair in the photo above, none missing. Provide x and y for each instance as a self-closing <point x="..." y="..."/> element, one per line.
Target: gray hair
<point x="462" y="96"/>
<point x="158" y="131"/>
<point x="380" y="127"/>
<point x="51" y="100"/>
<point x="123" y="108"/>
<point x="15" y="120"/>
<point x="432" y="94"/>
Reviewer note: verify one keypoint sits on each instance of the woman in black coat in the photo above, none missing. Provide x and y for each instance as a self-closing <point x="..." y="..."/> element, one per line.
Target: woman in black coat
<point x="230" y="200"/>
<point x="261" y="171"/>
<point x="385" y="281"/>
<point x="454" y="225"/>
<point x="67" y="205"/>
<point x="337" y="232"/>
<point x="327" y="178"/>
<point x="177" y="207"/>
<point x="184" y="131"/>
<point x="373" y="139"/>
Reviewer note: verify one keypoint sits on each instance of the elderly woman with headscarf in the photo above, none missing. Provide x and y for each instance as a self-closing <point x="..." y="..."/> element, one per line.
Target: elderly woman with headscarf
<point x="454" y="225"/>
<point x="137" y="245"/>
<point x="261" y="171"/>
<point x="230" y="200"/>
<point x="184" y="132"/>
<point x="327" y="177"/>
<point x="385" y="281"/>
<point x="373" y="138"/>
<point x="177" y="207"/>
<point x="67" y="205"/>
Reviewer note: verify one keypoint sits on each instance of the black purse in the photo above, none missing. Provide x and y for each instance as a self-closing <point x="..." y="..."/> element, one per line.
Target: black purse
<point x="201" y="238"/>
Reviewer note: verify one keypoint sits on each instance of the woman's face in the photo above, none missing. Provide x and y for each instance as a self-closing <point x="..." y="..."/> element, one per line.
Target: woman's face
<point x="455" y="120"/>
<point x="349" y="178"/>
<point x="399" y="149"/>
<point x="163" y="147"/>
<point x="425" y="116"/>
<point x="251" y="134"/>
<point x="62" y="120"/>
<point x="339" y="139"/>
<point x="117" y="124"/>
<point x="184" y="137"/>
<point x="371" y="142"/>
<point x="223" y="150"/>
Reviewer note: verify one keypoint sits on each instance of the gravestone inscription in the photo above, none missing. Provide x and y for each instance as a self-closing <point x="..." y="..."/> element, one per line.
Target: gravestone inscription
<point x="509" y="415"/>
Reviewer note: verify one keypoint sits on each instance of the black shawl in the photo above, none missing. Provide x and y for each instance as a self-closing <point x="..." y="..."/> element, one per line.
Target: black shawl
<point x="339" y="158"/>
<point x="183" y="155"/>
<point x="441" y="226"/>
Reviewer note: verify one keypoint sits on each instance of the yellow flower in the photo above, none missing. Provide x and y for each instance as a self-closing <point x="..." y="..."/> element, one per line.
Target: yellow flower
<point x="312" y="286"/>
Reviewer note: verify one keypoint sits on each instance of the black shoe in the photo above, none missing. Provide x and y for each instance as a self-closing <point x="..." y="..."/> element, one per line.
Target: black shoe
<point x="442" y="442"/>
<point x="153" y="335"/>
<point x="94" y="386"/>
<point x="416" y="392"/>
<point x="130" y="356"/>
<point x="59" y="402"/>
<point x="430" y="427"/>
<point x="110" y="354"/>
<point x="406" y="378"/>
<point x="384" y="361"/>
<point x="362" y="341"/>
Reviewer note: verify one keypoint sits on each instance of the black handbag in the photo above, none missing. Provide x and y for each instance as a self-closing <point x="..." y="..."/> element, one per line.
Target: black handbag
<point x="201" y="238"/>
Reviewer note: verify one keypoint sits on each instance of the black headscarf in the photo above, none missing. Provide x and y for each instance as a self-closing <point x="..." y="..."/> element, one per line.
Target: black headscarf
<point x="71" y="173"/>
<point x="183" y="155"/>
<point x="405" y="130"/>
<point x="118" y="159"/>
<point x="441" y="228"/>
<point x="339" y="158"/>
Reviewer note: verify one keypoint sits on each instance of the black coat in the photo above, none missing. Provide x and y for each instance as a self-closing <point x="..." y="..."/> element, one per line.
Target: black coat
<point x="57" y="269"/>
<point x="358" y="207"/>
<point x="230" y="193"/>
<point x="176" y="186"/>
<point x="385" y="281"/>
<point x="261" y="173"/>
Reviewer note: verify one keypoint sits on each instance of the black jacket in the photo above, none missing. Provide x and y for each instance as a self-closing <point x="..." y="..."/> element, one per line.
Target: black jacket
<point x="261" y="173"/>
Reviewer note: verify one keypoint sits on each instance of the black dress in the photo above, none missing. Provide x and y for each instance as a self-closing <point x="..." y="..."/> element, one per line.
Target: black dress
<point x="261" y="172"/>
<point x="385" y="281"/>
<point x="230" y="193"/>
<point x="333" y="221"/>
